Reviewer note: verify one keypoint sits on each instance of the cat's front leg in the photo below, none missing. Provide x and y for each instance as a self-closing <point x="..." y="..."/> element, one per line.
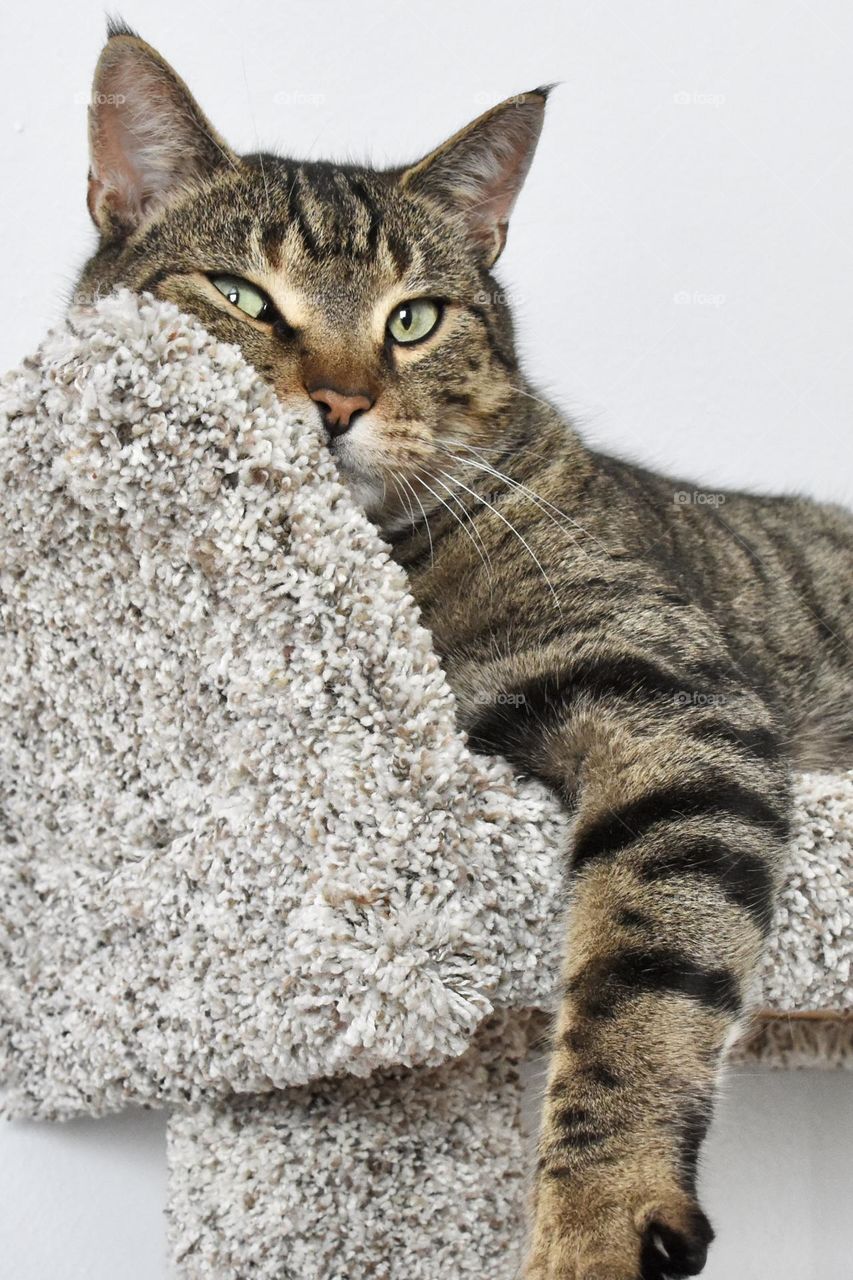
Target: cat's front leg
<point x="681" y="827"/>
<point x="615" y="1198"/>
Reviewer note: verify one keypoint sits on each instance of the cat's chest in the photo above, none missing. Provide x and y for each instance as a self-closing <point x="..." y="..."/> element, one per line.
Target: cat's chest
<point x="475" y="612"/>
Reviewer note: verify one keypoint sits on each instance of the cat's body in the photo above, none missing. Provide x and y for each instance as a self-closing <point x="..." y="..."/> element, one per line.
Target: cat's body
<point x="687" y="650"/>
<point x="772" y="575"/>
<point x="660" y="656"/>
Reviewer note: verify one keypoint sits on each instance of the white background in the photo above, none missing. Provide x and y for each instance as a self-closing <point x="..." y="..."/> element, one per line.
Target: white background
<point x="682" y="266"/>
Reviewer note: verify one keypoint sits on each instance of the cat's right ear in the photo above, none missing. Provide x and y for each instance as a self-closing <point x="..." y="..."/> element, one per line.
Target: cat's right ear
<point x="148" y="137"/>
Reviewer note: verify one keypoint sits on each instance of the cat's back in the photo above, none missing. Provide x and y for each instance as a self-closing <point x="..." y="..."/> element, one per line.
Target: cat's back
<point x="775" y="572"/>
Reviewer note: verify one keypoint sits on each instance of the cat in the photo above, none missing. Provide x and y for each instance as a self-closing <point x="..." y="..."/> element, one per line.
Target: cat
<point x="662" y="662"/>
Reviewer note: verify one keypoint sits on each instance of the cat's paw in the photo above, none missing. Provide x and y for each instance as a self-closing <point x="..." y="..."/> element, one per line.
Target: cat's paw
<point x="579" y="1236"/>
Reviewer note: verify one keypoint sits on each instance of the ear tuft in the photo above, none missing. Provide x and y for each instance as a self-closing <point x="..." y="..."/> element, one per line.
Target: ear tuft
<point x="148" y="138"/>
<point x="116" y="26"/>
<point x="478" y="173"/>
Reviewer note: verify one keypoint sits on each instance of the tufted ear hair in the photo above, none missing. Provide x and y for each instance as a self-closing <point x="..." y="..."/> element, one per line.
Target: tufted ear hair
<point x="148" y="138"/>
<point x="478" y="173"/>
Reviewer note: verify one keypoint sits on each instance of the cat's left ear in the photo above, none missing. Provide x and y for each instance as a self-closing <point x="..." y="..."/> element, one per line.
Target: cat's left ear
<point x="478" y="173"/>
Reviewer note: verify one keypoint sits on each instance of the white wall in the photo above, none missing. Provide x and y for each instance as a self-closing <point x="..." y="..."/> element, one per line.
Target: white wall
<point x="682" y="263"/>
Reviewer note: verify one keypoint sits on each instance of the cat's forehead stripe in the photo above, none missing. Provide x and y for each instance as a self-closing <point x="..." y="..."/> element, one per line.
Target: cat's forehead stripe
<point x="329" y="216"/>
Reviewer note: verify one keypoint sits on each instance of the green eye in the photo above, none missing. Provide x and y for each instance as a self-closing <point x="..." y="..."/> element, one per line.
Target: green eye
<point x="245" y="296"/>
<point x="414" y="320"/>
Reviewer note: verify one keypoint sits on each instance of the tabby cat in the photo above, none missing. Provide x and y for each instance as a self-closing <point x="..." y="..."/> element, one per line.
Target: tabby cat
<point x="662" y="664"/>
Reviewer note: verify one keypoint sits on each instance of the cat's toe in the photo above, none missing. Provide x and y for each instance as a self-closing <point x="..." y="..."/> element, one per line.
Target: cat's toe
<point x="675" y="1245"/>
<point x="661" y="1238"/>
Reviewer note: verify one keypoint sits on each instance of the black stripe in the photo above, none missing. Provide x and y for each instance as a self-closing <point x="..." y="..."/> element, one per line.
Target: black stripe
<point x="713" y="795"/>
<point x="571" y="1117"/>
<point x="803" y="581"/>
<point x="510" y="453"/>
<point x="579" y="1141"/>
<point x="714" y="676"/>
<point x="575" y="1139"/>
<point x="298" y="216"/>
<point x="602" y="1075"/>
<point x="150" y="283"/>
<point x="576" y="1039"/>
<point x="397" y="536"/>
<point x="374" y="216"/>
<point x="577" y="1131"/>
<point x="608" y="982"/>
<point x="583" y="627"/>
<point x="630" y="919"/>
<point x="399" y="251"/>
<point x="758" y="741"/>
<point x="670" y="596"/>
<point x="271" y="241"/>
<point x="412" y="563"/>
<point x="559" y="1171"/>
<point x="744" y="878"/>
<point x="542" y="701"/>
<point x="491" y="339"/>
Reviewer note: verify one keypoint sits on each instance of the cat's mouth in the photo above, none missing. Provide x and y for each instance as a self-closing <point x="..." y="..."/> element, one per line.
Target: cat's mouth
<point x="384" y="467"/>
<point x="361" y="474"/>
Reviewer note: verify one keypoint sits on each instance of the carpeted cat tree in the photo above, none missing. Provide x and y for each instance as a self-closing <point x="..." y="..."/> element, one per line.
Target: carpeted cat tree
<point x="250" y="870"/>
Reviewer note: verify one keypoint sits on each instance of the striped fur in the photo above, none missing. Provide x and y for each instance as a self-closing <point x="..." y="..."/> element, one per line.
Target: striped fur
<point x="661" y="664"/>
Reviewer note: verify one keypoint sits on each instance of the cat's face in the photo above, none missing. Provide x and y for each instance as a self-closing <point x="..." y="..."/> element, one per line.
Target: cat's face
<point x="361" y="296"/>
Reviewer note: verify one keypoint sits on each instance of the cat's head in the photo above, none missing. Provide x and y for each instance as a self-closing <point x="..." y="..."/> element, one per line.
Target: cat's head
<point x="364" y="295"/>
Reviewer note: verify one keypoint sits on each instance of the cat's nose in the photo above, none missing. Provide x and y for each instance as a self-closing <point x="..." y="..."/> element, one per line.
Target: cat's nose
<point x="339" y="408"/>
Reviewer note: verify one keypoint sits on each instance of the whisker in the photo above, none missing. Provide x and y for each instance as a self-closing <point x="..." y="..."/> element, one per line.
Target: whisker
<point x="520" y="391"/>
<point x="255" y="131"/>
<point x="482" y="448"/>
<point x="512" y="528"/>
<point x="541" y="502"/>
<point x="487" y="564"/>
<point x="426" y="520"/>
<point x="466" y="514"/>
<point x="518" y="486"/>
<point x="403" y="503"/>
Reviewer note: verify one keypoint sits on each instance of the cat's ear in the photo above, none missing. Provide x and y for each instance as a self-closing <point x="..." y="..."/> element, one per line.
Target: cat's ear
<point x="478" y="173"/>
<point x="148" y="138"/>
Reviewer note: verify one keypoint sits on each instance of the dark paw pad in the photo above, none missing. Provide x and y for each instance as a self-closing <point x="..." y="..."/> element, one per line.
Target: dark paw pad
<point x="670" y="1253"/>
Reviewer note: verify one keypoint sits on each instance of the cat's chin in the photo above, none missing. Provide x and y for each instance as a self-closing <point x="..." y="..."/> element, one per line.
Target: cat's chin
<point x="365" y="493"/>
<point x="370" y="497"/>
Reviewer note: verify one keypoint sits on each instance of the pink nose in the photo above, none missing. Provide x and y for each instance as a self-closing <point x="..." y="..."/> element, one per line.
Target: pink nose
<point x="339" y="407"/>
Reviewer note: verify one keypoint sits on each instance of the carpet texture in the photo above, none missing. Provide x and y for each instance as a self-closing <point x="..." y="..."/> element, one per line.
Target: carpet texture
<point x="245" y="850"/>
